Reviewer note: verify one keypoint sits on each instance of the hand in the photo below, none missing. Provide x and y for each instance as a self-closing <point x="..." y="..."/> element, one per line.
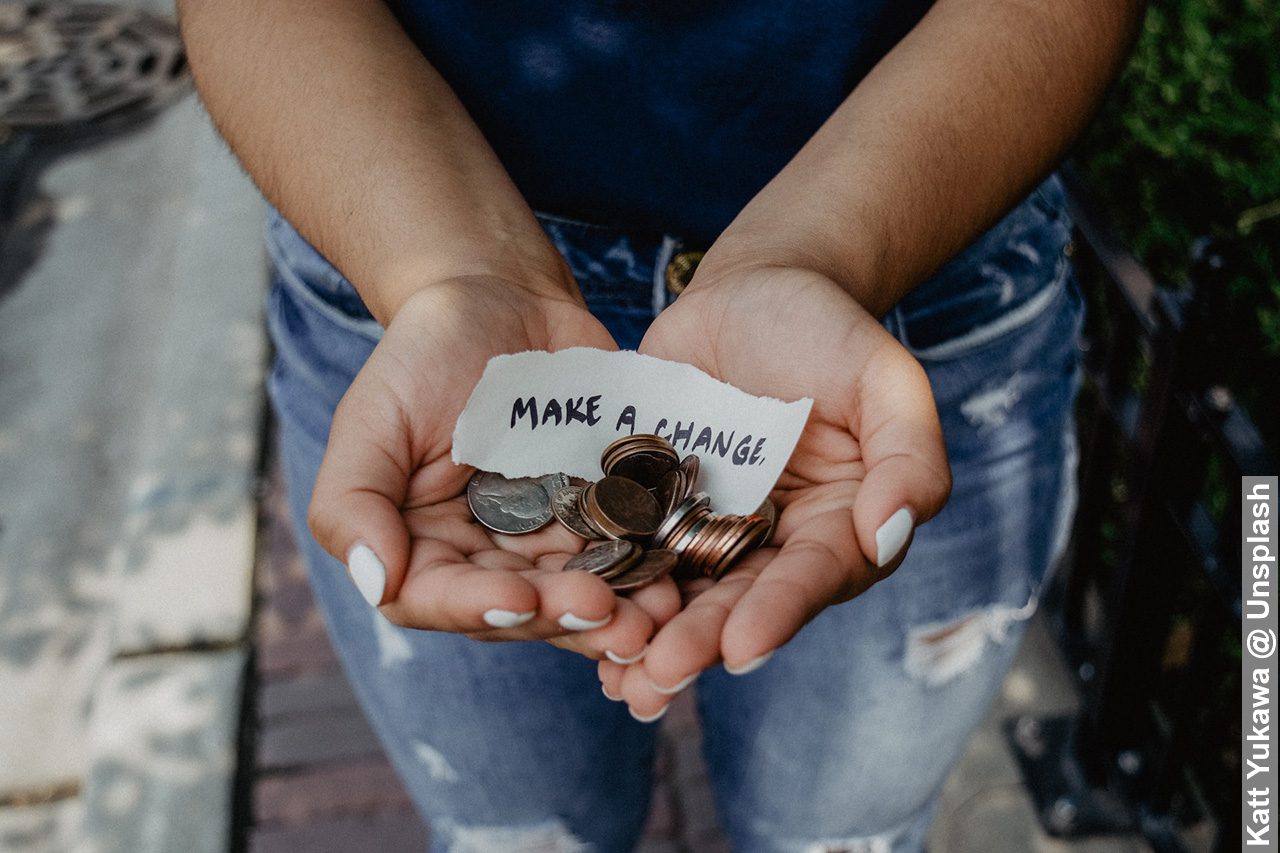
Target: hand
<point x="873" y="446"/>
<point x="390" y="502"/>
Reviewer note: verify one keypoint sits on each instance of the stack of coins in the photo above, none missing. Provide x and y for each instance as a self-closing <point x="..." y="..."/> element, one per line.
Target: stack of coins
<point x="706" y="544"/>
<point x="644" y="510"/>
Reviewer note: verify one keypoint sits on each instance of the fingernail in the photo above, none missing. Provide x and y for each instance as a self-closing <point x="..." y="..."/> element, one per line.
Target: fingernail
<point x="576" y="623"/>
<point x="892" y="535"/>
<point x="609" y="696"/>
<point x="507" y="618"/>
<point x="651" y="717"/>
<point x="749" y="666"/>
<point x="677" y="688"/>
<point x="367" y="573"/>
<point x="620" y="659"/>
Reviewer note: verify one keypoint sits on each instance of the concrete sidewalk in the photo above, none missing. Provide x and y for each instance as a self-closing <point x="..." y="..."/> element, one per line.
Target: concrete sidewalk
<point x="131" y="364"/>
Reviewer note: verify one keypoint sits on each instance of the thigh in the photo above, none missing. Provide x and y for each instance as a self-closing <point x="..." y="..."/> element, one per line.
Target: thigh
<point x="502" y="746"/>
<point x="843" y="740"/>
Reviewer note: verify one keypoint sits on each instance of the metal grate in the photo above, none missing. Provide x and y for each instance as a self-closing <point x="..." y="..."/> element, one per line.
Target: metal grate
<point x="82" y="65"/>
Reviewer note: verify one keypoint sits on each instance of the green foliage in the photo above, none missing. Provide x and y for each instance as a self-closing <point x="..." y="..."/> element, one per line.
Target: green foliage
<point x="1188" y="145"/>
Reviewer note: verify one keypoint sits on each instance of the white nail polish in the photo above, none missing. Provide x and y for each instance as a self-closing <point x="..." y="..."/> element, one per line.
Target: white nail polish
<point x="367" y="572"/>
<point x="749" y="666"/>
<point x="576" y="623"/>
<point x="507" y="618"/>
<point x="892" y="535"/>
<point x="620" y="659"/>
<point x="651" y="717"/>
<point x="677" y="688"/>
<point x="608" y="696"/>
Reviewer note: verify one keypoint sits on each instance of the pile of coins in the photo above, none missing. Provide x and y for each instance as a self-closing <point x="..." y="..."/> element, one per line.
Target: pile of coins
<point x="644" y="510"/>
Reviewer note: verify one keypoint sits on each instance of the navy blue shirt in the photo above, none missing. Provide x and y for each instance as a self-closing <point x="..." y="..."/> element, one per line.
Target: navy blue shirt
<point x="658" y="116"/>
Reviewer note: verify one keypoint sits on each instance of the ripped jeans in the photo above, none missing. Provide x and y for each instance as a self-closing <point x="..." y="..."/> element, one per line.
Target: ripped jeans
<point x="843" y="740"/>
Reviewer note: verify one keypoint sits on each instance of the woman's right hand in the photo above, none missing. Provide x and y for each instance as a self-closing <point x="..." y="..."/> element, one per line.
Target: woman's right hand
<point x="391" y="504"/>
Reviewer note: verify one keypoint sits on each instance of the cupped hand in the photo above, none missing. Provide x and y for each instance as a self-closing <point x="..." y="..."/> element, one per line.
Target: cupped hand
<point x="391" y="504"/>
<point x="869" y="467"/>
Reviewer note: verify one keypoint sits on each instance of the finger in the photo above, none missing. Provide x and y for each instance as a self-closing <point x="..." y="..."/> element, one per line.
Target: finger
<point x="571" y="602"/>
<point x="907" y="476"/>
<point x="355" y="506"/>
<point x="611" y="679"/>
<point x="624" y="640"/>
<point x="661" y="600"/>
<point x="819" y="564"/>
<point x="690" y="642"/>
<point x="645" y="703"/>
<point x="445" y="591"/>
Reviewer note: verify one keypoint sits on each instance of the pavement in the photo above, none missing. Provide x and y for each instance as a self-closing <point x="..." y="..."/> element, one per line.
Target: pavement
<point x="131" y="365"/>
<point x="135" y="508"/>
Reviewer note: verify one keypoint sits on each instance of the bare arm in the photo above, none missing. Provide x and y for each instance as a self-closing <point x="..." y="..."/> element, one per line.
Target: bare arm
<point x="357" y="140"/>
<point x="348" y="130"/>
<point x="955" y="125"/>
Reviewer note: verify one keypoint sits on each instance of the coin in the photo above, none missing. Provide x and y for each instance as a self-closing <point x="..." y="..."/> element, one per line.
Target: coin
<point x="691" y="466"/>
<point x="621" y="508"/>
<point x="646" y="496"/>
<point x="671" y="491"/>
<point x="687" y="537"/>
<point x="768" y="512"/>
<point x="643" y="458"/>
<point x="602" y="559"/>
<point x="518" y="505"/>
<point x="554" y="483"/>
<point x="662" y="538"/>
<point x="752" y="532"/>
<point x="564" y="504"/>
<point x="651" y="567"/>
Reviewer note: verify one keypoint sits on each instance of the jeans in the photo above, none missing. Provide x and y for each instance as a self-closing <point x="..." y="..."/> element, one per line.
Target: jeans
<point x="843" y="740"/>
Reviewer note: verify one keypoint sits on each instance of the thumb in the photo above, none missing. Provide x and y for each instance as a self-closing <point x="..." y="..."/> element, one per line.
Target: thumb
<point x="908" y="479"/>
<point x="355" y="506"/>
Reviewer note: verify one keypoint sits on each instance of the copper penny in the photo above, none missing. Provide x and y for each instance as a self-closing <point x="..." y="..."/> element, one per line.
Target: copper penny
<point x="769" y="513"/>
<point x="691" y="467"/>
<point x="653" y="566"/>
<point x="626" y="509"/>
<point x="603" y="558"/>
<point x="671" y="491"/>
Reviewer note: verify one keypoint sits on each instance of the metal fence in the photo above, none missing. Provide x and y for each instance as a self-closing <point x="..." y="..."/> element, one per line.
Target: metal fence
<point x="1146" y="606"/>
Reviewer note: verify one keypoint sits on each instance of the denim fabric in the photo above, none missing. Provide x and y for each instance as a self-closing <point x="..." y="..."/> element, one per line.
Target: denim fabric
<point x="842" y="741"/>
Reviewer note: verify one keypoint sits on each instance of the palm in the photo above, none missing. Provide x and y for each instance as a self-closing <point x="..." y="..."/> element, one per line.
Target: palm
<point x="390" y="452"/>
<point x="790" y="334"/>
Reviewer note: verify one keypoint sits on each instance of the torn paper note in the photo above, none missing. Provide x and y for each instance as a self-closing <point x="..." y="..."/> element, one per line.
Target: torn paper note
<point x="538" y="413"/>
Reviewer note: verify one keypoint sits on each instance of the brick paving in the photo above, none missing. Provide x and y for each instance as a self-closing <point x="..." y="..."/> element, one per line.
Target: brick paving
<point x="320" y="781"/>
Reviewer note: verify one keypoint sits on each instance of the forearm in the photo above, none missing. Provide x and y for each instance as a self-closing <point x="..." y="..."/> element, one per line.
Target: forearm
<point x="955" y="125"/>
<point x="347" y="129"/>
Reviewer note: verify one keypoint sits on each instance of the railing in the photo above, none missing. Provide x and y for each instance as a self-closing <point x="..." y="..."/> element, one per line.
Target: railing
<point x="1146" y="606"/>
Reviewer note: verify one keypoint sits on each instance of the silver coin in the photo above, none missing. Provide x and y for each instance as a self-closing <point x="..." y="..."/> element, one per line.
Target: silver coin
<point x="564" y="504"/>
<point x="554" y="483"/>
<point x="688" y="505"/>
<point x="602" y="559"/>
<point x="519" y="505"/>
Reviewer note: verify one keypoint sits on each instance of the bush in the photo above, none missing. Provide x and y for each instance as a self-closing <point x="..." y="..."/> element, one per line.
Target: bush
<point x="1188" y="145"/>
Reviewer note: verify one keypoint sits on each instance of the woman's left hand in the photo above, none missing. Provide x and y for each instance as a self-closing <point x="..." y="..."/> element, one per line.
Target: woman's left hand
<point x="869" y="467"/>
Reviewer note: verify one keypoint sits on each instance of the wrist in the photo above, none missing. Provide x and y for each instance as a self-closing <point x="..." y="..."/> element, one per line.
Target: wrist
<point x="749" y="250"/>
<point x="400" y="285"/>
